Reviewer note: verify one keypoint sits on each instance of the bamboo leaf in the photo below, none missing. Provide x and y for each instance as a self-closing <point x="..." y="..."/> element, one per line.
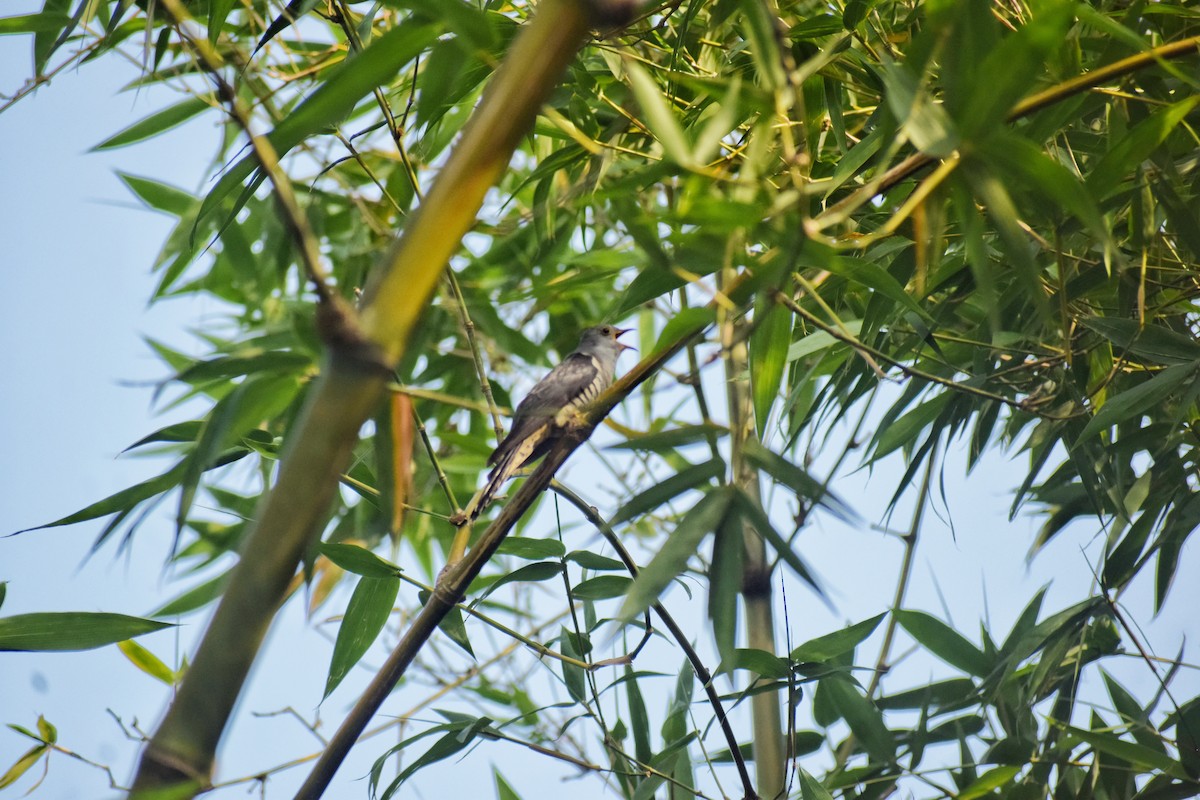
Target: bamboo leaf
<point x="71" y="630"/>
<point x="147" y="662"/>
<point x="359" y="560"/>
<point x="768" y="359"/>
<point x="602" y="587"/>
<point x="23" y="764"/>
<point x="158" y="122"/>
<point x="33" y="23"/>
<point x="692" y="477"/>
<point x="1134" y="147"/>
<point x="1141" y="757"/>
<point x="659" y="117"/>
<point x="862" y="716"/>
<point x="671" y="560"/>
<point x="531" y="549"/>
<point x="1130" y="403"/>
<point x="122" y="501"/>
<point x="366" y="614"/>
<point x="1154" y="342"/>
<point x="836" y="644"/>
<point x="944" y="642"/>
<point x="803" y="485"/>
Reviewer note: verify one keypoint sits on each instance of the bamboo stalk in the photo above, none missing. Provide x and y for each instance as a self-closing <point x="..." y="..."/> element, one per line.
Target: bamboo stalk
<point x="179" y="757"/>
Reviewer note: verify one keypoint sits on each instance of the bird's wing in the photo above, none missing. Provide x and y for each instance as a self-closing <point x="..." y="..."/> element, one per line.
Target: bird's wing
<point x="563" y="384"/>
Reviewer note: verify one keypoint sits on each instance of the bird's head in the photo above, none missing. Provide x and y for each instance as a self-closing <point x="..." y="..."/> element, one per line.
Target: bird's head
<point x="603" y="337"/>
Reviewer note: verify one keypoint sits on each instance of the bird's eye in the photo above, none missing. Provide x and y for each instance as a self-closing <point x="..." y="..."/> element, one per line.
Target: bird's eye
<point x="607" y="331"/>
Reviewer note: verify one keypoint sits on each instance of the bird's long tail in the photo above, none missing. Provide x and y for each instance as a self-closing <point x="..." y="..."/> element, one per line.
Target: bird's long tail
<point x="512" y="459"/>
<point x="500" y="473"/>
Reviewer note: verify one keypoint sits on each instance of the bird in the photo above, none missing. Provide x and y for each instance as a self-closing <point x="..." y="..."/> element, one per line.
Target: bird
<point x="544" y="413"/>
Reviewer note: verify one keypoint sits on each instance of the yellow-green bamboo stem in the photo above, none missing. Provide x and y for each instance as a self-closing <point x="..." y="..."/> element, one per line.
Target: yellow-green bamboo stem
<point x="180" y="755"/>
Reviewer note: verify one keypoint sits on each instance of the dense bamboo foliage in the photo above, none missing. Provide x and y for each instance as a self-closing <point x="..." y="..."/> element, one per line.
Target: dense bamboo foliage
<point x="843" y="232"/>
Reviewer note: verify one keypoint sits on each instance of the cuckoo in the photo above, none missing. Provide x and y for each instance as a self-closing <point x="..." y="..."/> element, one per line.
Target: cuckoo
<point x="551" y="404"/>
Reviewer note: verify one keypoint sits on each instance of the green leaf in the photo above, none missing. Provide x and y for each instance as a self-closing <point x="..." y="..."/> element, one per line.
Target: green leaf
<point x="838" y="643"/>
<point x="864" y="273"/>
<point x="33" y="23"/>
<point x="503" y="790"/>
<point x="258" y="398"/>
<point x="531" y="549"/>
<point x="725" y="578"/>
<point x="750" y="511"/>
<point x="669" y="441"/>
<point x="1020" y="158"/>
<point x="760" y="29"/>
<point x="1153" y="342"/>
<point x="760" y="662"/>
<point x="218" y="11"/>
<point x="690" y="477"/>
<point x="195" y="598"/>
<point x="768" y="358"/>
<point x="71" y="630"/>
<point x="178" y="432"/>
<point x="460" y="735"/>
<point x="1137" y="755"/>
<point x="639" y="720"/>
<point x="904" y="431"/>
<point x="332" y="101"/>
<point x="1124" y="156"/>
<point x="359" y="560"/>
<point x="573" y="674"/>
<point x="159" y="196"/>
<point x="291" y="13"/>
<point x="602" y="587"/>
<point x="988" y="782"/>
<point x="367" y="613"/>
<point x="659" y="117"/>
<point x="811" y="789"/>
<point x="923" y="120"/>
<point x="816" y="26"/>
<point x="530" y="573"/>
<point x="803" y="485"/>
<point x="1006" y="71"/>
<point x="817" y="341"/>
<point x="672" y="559"/>
<point x="455" y="628"/>
<point x="47" y="41"/>
<point x="862" y="716"/>
<point x="944" y="642"/>
<point x="122" y="501"/>
<point x="589" y="560"/>
<point x="1133" y="402"/>
<point x="943" y="693"/>
<point x="471" y="25"/>
<point x="1187" y="738"/>
<point x="158" y="122"/>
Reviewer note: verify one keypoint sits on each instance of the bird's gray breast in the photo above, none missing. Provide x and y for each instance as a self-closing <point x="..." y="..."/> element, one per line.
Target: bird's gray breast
<point x="601" y="379"/>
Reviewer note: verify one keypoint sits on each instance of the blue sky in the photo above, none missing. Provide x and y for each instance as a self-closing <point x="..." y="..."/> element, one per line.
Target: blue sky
<point x="77" y="255"/>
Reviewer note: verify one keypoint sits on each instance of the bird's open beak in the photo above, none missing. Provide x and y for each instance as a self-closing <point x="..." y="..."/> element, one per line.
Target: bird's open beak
<point x="622" y="345"/>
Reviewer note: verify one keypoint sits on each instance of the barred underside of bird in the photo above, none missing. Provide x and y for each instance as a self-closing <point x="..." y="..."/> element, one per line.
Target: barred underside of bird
<point x="551" y="405"/>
